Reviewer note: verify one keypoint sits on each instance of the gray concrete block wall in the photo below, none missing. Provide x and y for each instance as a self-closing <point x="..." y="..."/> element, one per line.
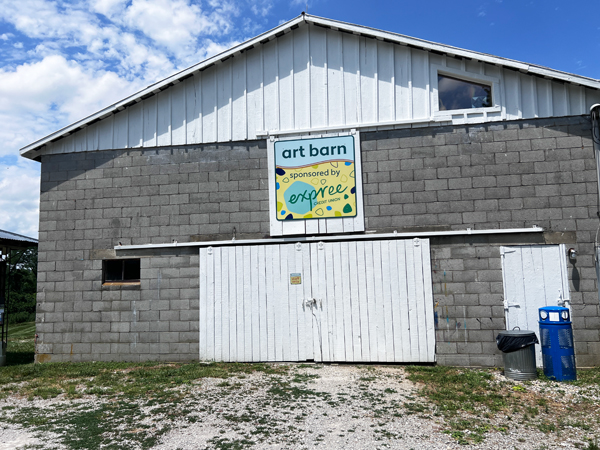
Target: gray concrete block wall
<point x="91" y="202"/>
<point x="502" y="175"/>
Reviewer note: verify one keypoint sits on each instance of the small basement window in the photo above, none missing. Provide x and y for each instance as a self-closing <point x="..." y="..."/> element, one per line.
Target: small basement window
<point x="454" y="93"/>
<point x="120" y="271"/>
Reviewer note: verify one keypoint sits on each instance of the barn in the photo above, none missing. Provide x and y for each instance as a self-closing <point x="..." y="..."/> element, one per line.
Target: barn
<point x="323" y="192"/>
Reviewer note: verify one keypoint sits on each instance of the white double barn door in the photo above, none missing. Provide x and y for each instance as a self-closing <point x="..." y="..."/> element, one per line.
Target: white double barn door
<point x="351" y="301"/>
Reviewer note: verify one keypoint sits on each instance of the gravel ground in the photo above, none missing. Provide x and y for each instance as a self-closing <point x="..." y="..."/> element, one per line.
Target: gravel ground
<point x="331" y="406"/>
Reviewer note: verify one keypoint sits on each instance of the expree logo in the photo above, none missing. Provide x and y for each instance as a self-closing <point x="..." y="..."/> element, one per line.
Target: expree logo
<point x="315" y="178"/>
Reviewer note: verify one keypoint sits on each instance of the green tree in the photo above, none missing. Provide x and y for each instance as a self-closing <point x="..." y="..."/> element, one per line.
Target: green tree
<point x="22" y="285"/>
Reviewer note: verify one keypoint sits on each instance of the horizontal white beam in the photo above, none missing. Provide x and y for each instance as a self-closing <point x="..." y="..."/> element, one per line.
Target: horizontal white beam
<point x="345" y="237"/>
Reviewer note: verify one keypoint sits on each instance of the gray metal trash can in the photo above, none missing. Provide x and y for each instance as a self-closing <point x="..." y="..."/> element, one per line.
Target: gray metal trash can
<point x="518" y="352"/>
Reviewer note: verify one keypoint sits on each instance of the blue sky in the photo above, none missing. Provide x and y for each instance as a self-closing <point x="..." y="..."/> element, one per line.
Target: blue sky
<point x="62" y="60"/>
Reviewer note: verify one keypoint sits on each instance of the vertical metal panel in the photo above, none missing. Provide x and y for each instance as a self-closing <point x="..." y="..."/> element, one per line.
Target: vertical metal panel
<point x="544" y="98"/>
<point x="254" y="96"/>
<point x="386" y="82"/>
<point x="91" y="133"/>
<point x="284" y="106"/>
<point x="120" y="129"/>
<point x="209" y="105"/>
<point x="106" y="133"/>
<point x="271" y="85"/>
<point x="193" y="93"/>
<point x="335" y="79"/>
<point x="403" y="83"/>
<point x="350" y="50"/>
<point x="576" y="100"/>
<point x="318" y="77"/>
<point x="224" y="100"/>
<point x="301" y="100"/>
<point x="420" y="84"/>
<point x="164" y="119"/>
<point x="136" y="125"/>
<point x="368" y="79"/>
<point x="512" y="96"/>
<point x="178" y="113"/>
<point x="560" y="104"/>
<point x="528" y="96"/>
<point x="149" y="121"/>
<point x="239" y="106"/>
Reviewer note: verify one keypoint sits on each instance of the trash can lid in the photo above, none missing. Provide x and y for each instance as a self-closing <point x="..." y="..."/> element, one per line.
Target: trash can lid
<point x="553" y="308"/>
<point x="516" y="333"/>
<point x="513" y="340"/>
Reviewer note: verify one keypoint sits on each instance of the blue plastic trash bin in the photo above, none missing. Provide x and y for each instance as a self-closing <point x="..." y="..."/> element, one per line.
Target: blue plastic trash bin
<point x="556" y="333"/>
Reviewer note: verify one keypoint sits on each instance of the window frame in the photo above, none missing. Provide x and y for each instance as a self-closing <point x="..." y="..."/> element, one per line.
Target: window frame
<point x="493" y="82"/>
<point x="123" y="281"/>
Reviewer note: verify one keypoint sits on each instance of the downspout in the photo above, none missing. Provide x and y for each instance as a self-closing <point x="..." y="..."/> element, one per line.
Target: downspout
<point x="595" y="118"/>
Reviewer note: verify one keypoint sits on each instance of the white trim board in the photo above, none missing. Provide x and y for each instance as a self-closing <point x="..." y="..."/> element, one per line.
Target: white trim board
<point x="367" y="236"/>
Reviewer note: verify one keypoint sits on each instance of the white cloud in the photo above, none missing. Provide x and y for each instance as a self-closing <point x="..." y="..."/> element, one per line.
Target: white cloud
<point x="71" y="58"/>
<point x="20" y="199"/>
<point x="40" y="97"/>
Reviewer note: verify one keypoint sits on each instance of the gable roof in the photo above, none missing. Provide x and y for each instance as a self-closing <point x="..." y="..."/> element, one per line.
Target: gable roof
<point x="31" y="150"/>
<point x="13" y="240"/>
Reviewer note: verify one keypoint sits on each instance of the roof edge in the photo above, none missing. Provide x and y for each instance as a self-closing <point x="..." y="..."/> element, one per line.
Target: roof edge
<point x="28" y="150"/>
<point x="34" y="149"/>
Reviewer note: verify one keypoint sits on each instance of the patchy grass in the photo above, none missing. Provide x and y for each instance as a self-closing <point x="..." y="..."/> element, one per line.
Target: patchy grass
<point x="20" y="346"/>
<point x="471" y="399"/>
<point x="137" y="402"/>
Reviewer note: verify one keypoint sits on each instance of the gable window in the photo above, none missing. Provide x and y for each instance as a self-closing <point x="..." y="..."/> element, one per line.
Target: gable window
<point x="454" y="93"/>
<point x="119" y="271"/>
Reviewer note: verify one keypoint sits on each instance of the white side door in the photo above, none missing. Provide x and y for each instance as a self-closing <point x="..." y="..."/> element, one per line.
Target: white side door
<point x="533" y="276"/>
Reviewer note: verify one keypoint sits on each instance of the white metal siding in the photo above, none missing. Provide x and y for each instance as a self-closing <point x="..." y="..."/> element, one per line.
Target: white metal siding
<point x="358" y="301"/>
<point x="312" y="78"/>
